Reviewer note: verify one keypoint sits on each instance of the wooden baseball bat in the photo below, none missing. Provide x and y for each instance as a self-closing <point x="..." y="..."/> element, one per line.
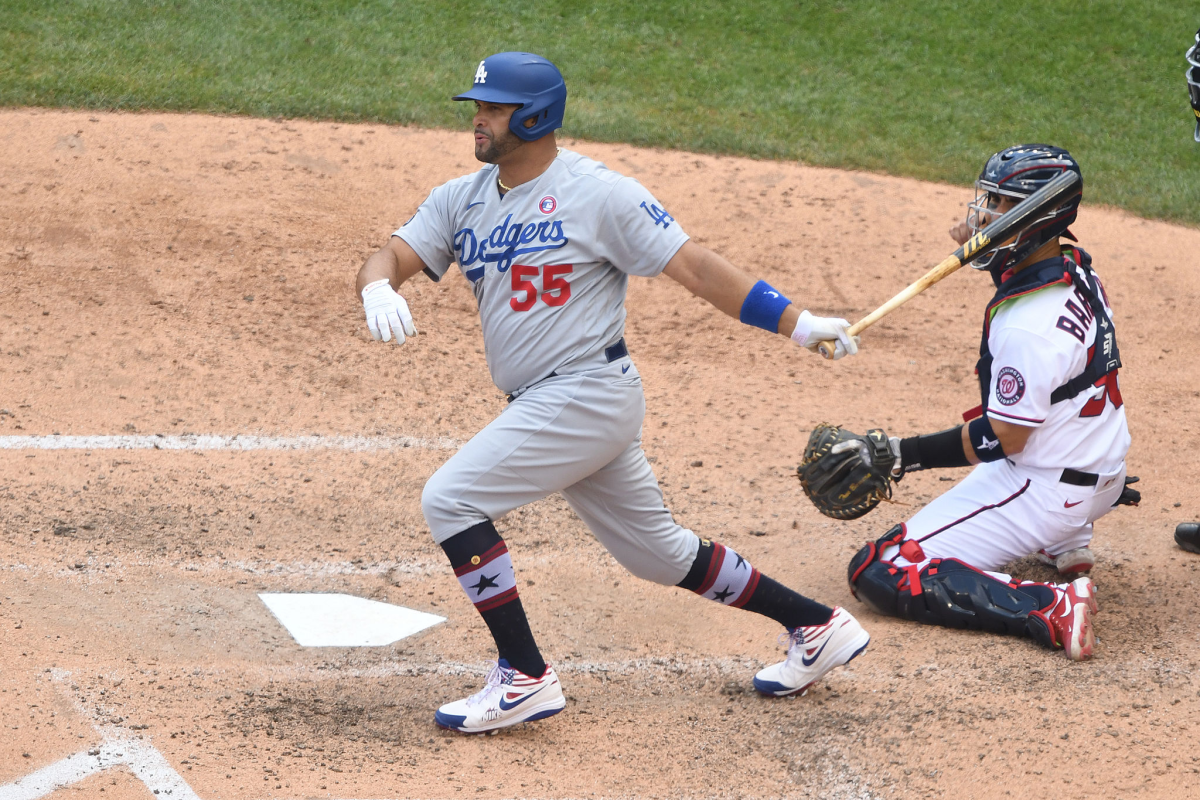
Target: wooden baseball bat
<point x="1053" y="194"/>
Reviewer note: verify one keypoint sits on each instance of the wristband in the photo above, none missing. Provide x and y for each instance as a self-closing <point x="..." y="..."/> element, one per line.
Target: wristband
<point x="763" y="307"/>
<point x="372" y="286"/>
<point x="934" y="451"/>
<point x="984" y="440"/>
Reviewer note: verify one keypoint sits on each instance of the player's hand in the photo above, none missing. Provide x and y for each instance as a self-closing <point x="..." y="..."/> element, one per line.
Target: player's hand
<point x="961" y="232"/>
<point x="387" y="313"/>
<point x="811" y="331"/>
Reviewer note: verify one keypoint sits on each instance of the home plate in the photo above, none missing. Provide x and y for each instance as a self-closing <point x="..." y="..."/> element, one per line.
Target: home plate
<point x="343" y="620"/>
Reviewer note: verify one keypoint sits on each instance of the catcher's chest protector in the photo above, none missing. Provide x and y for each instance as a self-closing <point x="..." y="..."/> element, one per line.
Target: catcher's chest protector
<point x="1072" y="269"/>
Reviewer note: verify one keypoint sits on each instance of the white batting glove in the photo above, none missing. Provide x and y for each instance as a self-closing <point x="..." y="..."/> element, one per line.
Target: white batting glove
<point x="811" y="331"/>
<point x="387" y="313"/>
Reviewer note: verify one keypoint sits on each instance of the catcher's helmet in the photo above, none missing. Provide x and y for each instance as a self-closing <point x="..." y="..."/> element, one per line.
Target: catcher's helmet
<point x="527" y="80"/>
<point x="1193" y="79"/>
<point x="1018" y="172"/>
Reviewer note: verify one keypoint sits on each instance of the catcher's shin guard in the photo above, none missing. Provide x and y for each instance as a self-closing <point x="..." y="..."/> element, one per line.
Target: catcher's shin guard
<point x="949" y="593"/>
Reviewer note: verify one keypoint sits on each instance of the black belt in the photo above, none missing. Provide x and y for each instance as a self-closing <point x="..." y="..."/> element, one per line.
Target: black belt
<point x="612" y="353"/>
<point x="1077" y="478"/>
<point x="618" y="350"/>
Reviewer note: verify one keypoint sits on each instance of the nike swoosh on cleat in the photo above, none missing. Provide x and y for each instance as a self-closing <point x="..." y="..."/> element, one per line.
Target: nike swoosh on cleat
<point x="808" y="662"/>
<point x="1071" y="505"/>
<point x="506" y="706"/>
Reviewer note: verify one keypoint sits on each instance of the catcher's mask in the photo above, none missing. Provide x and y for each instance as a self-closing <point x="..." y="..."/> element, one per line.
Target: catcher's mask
<point x="1018" y="172"/>
<point x="1193" y="79"/>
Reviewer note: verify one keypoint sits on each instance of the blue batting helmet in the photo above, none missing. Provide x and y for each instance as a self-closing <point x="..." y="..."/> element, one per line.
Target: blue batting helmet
<point x="1017" y="172"/>
<point x="526" y="80"/>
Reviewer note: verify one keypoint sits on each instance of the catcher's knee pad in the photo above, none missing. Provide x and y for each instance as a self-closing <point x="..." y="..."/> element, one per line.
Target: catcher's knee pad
<point x="952" y="594"/>
<point x="870" y="553"/>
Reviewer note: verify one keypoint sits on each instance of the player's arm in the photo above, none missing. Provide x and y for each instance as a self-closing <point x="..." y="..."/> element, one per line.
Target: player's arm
<point x="395" y="262"/>
<point x="384" y="272"/>
<point x="1012" y="438"/>
<point x="711" y="277"/>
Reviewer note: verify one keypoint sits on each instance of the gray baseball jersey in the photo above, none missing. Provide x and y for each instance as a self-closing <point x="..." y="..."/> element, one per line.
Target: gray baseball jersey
<point x="548" y="261"/>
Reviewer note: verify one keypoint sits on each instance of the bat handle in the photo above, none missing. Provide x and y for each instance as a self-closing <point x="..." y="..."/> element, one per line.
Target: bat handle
<point x="827" y="348"/>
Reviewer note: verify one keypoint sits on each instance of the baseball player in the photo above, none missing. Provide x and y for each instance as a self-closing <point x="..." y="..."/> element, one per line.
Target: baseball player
<point x="1049" y="439"/>
<point x="1193" y="80"/>
<point x="1187" y="534"/>
<point x="548" y="239"/>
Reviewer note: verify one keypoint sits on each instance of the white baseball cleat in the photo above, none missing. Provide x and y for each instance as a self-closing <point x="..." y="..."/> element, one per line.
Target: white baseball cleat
<point x="509" y="696"/>
<point x="812" y="652"/>
<point x="1072" y="561"/>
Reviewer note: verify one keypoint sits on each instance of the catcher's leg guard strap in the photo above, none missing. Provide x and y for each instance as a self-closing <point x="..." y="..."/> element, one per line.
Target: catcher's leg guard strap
<point x="870" y="553"/>
<point x="952" y="594"/>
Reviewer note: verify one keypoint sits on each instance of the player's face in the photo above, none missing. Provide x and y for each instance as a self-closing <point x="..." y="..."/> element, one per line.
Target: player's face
<point x="493" y="139"/>
<point x="986" y="209"/>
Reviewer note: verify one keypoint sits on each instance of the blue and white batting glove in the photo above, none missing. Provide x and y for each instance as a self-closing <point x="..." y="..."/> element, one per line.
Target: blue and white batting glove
<point x="811" y="331"/>
<point x="387" y="313"/>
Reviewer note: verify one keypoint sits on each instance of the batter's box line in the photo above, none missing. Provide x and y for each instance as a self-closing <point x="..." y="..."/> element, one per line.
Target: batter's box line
<point x="237" y="442"/>
<point x="117" y="749"/>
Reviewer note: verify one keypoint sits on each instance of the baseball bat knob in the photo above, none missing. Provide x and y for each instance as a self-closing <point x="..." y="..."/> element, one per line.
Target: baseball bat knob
<point x="826" y="349"/>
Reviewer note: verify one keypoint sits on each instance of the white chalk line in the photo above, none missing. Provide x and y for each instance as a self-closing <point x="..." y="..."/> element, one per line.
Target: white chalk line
<point x="97" y="566"/>
<point x="237" y="442"/>
<point x="733" y="667"/>
<point x="117" y="749"/>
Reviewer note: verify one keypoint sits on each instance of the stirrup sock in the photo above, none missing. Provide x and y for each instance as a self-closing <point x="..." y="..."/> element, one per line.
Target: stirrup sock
<point x="484" y="570"/>
<point x="720" y="574"/>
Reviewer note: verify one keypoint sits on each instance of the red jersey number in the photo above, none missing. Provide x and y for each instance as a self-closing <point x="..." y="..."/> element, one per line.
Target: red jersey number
<point x="1112" y="393"/>
<point x="556" y="291"/>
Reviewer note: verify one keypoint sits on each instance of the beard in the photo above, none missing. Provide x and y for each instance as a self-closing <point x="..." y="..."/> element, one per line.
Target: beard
<point x="497" y="148"/>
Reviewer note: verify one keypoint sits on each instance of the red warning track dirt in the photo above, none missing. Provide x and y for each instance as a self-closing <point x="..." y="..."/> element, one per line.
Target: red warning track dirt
<point x="165" y="274"/>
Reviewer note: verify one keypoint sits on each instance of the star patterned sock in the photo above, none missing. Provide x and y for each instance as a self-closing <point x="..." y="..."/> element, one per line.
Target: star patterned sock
<point x="484" y="570"/>
<point x="720" y="574"/>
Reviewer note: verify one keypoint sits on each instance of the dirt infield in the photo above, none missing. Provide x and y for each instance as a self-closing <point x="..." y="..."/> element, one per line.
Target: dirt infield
<point x="173" y="275"/>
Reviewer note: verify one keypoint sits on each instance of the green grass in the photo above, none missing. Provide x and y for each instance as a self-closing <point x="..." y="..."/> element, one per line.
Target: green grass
<point x="925" y="88"/>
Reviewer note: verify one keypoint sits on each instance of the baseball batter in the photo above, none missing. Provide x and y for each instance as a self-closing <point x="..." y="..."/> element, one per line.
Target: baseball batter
<point x="547" y="239"/>
<point x="1049" y="439"/>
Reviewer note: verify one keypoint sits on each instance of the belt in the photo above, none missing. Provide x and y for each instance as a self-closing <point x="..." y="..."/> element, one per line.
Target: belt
<point x="618" y="350"/>
<point x="611" y="354"/>
<point x="1077" y="478"/>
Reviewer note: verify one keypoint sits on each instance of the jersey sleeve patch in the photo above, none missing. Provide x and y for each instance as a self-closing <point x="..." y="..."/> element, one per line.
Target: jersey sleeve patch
<point x="1010" y="386"/>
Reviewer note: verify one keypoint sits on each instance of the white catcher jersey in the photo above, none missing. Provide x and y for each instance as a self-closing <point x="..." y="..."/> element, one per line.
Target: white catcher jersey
<point x="1039" y="341"/>
<point x="548" y="261"/>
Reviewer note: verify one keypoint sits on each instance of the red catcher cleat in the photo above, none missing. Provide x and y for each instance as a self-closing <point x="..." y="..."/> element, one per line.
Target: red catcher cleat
<point x="1068" y="623"/>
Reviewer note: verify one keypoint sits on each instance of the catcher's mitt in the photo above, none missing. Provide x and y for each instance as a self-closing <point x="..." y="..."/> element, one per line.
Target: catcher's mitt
<point x="845" y="474"/>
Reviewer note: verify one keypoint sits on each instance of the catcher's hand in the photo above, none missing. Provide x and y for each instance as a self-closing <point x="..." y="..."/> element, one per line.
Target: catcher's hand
<point x="845" y="474"/>
<point x="1129" y="497"/>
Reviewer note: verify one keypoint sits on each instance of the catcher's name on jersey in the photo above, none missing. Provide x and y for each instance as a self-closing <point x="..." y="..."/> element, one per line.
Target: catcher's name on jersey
<point x="1038" y="342"/>
<point x="548" y="261"/>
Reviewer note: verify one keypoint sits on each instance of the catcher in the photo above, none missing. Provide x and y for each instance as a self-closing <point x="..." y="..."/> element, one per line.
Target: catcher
<point x="1049" y="440"/>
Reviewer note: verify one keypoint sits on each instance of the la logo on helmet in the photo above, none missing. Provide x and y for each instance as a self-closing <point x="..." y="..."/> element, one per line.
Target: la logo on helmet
<point x="481" y="74"/>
